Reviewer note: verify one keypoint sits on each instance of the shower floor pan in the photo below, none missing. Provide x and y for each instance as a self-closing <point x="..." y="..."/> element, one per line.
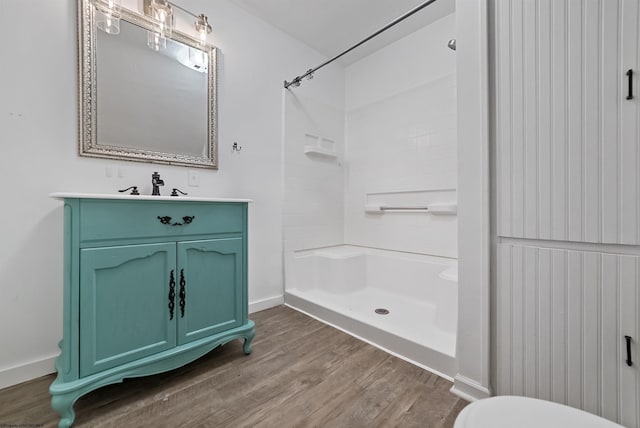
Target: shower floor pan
<point x="415" y="328"/>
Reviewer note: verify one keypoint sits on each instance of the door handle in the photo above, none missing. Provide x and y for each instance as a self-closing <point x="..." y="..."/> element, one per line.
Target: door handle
<point x="183" y="293"/>
<point x="630" y="75"/>
<point x="629" y="362"/>
<point x="172" y="295"/>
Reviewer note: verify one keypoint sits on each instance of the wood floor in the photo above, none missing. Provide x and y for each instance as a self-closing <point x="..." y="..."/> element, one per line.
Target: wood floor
<point x="301" y="373"/>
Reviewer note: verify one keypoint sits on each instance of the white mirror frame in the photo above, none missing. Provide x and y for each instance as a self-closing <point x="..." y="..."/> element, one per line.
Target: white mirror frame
<point x="88" y="144"/>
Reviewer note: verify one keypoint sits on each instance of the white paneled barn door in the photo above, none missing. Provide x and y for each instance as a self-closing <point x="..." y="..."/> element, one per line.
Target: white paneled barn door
<point x="561" y="328"/>
<point x="566" y="136"/>
<point x="567" y="202"/>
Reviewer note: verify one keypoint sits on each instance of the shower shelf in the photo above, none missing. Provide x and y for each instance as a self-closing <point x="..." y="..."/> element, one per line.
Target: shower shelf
<point x="320" y="152"/>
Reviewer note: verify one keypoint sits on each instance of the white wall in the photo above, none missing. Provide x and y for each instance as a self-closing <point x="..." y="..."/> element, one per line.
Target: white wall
<point x="401" y="142"/>
<point x="38" y="155"/>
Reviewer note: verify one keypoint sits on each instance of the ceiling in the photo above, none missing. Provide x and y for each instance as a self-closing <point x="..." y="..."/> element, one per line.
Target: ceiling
<point x="332" y="26"/>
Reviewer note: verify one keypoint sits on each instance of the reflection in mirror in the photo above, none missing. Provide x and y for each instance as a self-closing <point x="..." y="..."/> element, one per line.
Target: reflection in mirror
<point x="146" y="105"/>
<point x="151" y="100"/>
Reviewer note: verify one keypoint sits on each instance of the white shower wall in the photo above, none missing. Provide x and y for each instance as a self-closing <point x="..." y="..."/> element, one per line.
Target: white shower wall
<point x="401" y="142"/>
<point x="313" y="186"/>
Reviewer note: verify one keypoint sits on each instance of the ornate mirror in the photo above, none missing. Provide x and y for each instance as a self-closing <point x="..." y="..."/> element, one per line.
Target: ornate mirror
<point x="141" y="104"/>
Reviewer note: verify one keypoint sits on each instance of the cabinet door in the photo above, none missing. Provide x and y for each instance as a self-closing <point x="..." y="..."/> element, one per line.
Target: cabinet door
<point x="211" y="271"/>
<point x="561" y="321"/>
<point x="124" y="304"/>
<point x="566" y="135"/>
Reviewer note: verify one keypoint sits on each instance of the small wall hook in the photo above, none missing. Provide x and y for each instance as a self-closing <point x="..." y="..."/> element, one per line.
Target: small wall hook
<point x="236" y="147"/>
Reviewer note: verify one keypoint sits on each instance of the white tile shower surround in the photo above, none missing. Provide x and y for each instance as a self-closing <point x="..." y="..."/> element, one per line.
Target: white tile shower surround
<point x="407" y="139"/>
<point x="396" y="135"/>
<point x="313" y="211"/>
<point x="403" y="143"/>
<point x="410" y="62"/>
<point x="343" y="285"/>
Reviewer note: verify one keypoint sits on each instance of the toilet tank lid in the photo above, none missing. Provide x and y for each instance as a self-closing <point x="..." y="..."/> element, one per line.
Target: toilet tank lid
<point x="511" y="411"/>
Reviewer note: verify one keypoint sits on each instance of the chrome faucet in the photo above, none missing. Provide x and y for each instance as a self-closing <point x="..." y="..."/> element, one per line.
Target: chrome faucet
<point x="156" y="182"/>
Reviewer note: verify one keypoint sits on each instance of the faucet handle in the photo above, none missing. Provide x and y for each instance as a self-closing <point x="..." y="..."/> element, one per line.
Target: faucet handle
<point x="175" y="191"/>
<point x="133" y="192"/>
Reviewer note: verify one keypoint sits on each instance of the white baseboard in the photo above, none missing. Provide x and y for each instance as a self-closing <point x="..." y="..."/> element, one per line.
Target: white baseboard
<point x="261" y="305"/>
<point x="468" y="389"/>
<point x="22" y="373"/>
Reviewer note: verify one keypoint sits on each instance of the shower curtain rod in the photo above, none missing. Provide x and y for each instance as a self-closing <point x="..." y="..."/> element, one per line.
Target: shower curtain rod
<point x="309" y="74"/>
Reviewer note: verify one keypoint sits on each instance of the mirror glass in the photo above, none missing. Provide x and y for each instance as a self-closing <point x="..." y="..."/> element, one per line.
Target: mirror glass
<point x="146" y="105"/>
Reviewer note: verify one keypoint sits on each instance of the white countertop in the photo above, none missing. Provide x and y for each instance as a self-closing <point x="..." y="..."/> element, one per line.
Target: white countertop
<point x="64" y="195"/>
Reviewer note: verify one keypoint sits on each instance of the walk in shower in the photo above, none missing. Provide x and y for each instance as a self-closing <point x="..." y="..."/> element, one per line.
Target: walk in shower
<point x="370" y="226"/>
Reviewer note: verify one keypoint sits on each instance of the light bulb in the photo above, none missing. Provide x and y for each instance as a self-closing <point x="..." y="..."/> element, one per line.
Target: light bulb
<point x="162" y="13"/>
<point x="203" y="28"/>
<point x="155" y="40"/>
<point x="107" y="15"/>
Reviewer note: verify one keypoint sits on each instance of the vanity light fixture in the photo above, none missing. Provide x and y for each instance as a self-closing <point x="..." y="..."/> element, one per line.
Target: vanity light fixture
<point x="155" y="40"/>
<point x="161" y="13"/>
<point x="108" y="15"/>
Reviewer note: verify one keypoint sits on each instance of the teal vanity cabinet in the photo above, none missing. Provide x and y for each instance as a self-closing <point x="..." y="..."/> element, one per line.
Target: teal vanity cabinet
<point x="150" y="284"/>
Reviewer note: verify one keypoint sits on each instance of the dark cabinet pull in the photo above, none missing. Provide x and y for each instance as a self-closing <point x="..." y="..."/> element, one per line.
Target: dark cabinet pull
<point x="629" y="362"/>
<point x="186" y="219"/>
<point x="630" y="75"/>
<point x="167" y="220"/>
<point x="172" y="295"/>
<point x="183" y="293"/>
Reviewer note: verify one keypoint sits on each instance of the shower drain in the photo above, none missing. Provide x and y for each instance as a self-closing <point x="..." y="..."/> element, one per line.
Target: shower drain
<point x="382" y="311"/>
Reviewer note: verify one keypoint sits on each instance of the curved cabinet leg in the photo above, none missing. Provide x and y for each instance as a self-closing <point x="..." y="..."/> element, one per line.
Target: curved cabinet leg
<point x="63" y="405"/>
<point x="247" y="341"/>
